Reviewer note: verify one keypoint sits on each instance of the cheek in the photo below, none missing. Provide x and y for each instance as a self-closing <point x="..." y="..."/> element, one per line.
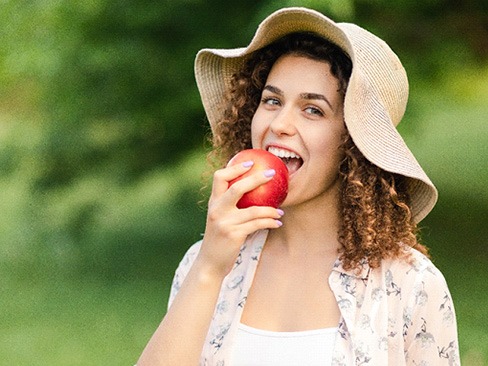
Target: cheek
<point x="336" y="153"/>
<point x="257" y="132"/>
<point x="329" y="148"/>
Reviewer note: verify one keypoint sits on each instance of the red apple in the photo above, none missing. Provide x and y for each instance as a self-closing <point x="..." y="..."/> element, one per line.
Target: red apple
<point x="271" y="193"/>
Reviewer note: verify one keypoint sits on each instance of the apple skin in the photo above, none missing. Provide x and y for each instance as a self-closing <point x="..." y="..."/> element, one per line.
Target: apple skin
<point x="271" y="193"/>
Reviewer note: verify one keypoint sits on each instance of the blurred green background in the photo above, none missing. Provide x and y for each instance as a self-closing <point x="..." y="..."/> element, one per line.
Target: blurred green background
<point x="102" y="148"/>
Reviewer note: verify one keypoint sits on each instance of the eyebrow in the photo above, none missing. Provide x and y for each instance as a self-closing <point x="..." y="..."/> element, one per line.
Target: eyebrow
<point x="306" y="96"/>
<point x="273" y="89"/>
<point x="312" y="96"/>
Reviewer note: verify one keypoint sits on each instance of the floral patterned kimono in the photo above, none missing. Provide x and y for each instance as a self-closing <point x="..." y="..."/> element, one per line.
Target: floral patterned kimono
<point x="398" y="314"/>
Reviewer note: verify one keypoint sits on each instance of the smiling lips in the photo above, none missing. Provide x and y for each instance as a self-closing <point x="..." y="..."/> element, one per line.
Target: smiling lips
<point x="291" y="159"/>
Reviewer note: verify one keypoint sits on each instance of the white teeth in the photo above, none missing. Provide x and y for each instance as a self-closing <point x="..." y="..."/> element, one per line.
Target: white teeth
<point x="282" y="153"/>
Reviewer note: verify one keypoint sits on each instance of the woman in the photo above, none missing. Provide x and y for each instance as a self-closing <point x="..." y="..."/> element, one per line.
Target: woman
<point x="336" y="276"/>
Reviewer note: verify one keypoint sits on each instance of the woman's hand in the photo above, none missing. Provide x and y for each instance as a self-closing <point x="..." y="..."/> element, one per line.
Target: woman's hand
<point x="180" y="336"/>
<point x="227" y="226"/>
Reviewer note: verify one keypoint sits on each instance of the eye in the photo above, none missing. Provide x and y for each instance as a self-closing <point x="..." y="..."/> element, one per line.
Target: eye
<point x="314" y="111"/>
<point x="272" y="101"/>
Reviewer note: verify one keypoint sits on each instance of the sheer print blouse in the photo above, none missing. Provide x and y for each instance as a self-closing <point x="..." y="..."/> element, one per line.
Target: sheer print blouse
<point x="400" y="313"/>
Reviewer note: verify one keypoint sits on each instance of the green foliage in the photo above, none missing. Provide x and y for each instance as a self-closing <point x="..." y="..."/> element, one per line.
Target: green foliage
<point x="101" y="152"/>
<point x="98" y="228"/>
<point x="335" y="9"/>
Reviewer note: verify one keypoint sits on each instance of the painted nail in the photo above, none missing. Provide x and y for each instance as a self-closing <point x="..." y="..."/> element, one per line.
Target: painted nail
<point x="248" y="164"/>
<point x="269" y="173"/>
<point x="280" y="212"/>
<point x="279" y="223"/>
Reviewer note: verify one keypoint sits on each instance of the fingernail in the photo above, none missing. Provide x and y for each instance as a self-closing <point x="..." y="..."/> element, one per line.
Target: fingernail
<point x="279" y="223"/>
<point x="269" y="173"/>
<point x="248" y="164"/>
<point x="280" y="212"/>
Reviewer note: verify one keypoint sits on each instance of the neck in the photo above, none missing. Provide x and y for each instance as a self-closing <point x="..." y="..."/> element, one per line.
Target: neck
<point x="309" y="225"/>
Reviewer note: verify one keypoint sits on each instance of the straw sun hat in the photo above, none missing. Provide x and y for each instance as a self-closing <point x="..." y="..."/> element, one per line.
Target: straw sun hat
<point x="375" y="99"/>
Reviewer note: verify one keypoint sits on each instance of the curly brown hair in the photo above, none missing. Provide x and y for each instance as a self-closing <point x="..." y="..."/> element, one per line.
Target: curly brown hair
<point x="376" y="218"/>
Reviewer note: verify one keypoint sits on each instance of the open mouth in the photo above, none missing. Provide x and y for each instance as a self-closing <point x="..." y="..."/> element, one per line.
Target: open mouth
<point x="291" y="159"/>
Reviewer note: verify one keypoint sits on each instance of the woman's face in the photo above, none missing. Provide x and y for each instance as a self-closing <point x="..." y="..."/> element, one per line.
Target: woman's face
<point x="300" y="119"/>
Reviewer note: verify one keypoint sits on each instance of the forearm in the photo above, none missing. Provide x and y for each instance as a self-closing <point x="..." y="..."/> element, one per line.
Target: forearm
<point x="180" y="336"/>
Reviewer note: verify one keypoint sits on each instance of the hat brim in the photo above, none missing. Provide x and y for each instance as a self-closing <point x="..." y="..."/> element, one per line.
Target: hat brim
<point x="374" y="103"/>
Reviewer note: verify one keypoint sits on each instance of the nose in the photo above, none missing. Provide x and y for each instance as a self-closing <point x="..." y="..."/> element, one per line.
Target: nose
<point x="283" y="123"/>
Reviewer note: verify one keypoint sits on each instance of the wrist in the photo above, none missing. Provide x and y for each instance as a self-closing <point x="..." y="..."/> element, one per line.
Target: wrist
<point x="207" y="273"/>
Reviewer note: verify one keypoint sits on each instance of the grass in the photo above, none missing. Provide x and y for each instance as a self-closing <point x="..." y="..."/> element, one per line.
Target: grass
<point x="59" y="322"/>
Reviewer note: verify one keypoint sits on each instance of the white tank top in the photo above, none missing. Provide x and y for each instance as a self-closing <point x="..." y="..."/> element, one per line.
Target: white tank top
<point x="256" y="347"/>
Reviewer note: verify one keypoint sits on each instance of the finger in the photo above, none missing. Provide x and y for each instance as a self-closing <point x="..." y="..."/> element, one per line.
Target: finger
<point x="223" y="218"/>
<point x="222" y="177"/>
<point x="247" y="184"/>
<point x="254" y="218"/>
<point x="260" y="212"/>
<point x="230" y="225"/>
<point x="234" y="235"/>
<point x="260" y="224"/>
